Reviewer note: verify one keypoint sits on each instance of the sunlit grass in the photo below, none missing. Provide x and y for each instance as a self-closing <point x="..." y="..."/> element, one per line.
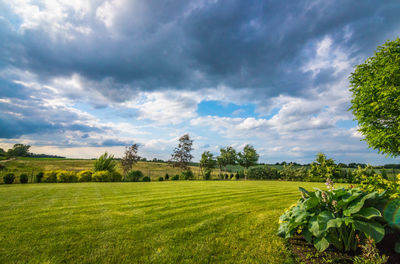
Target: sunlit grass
<point x="157" y="222"/>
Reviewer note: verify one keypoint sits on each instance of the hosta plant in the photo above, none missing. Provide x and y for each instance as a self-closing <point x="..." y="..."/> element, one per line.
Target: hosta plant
<point x="334" y="217"/>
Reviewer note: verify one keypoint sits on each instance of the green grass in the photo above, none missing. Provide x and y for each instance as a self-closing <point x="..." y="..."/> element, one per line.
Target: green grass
<point x="157" y="222"/>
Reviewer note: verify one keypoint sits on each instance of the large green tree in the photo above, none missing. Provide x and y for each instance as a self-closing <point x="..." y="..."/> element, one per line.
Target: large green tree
<point x="181" y="157"/>
<point x="248" y="157"/>
<point x="207" y="163"/>
<point x="375" y="85"/>
<point x="19" y="150"/>
<point x="228" y="156"/>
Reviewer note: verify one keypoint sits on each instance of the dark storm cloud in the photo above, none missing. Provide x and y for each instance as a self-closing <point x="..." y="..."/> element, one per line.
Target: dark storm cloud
<point x="257" y="45"/>
<point x="20" y="114"/>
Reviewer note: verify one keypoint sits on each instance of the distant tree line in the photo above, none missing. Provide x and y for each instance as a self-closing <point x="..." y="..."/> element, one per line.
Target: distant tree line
<point x="21" y="150"/>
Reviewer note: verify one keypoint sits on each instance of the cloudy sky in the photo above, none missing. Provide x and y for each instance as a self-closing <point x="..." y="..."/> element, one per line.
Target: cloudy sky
<point x="81" y="77"/>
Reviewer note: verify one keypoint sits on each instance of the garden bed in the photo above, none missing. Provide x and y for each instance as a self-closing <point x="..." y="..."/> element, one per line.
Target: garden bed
<point x="308" y="254"/>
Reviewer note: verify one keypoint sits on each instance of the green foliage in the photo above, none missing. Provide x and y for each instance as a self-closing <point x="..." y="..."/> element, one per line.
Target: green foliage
<point x="116" y="176"/>
<point x="334" y="217"/>
<point x="181" y="156"/>
<point x="166" y="176"/>
<point x="375" y="85"/>
<point x="50" y="177"/>
<point x="105" y="162"/>
<point x="160" y="178"/>
<point x="370" y="181"/>
<point x="248" y="157"/>
<point x="175" y="178"/>
<point x="323" y="168"/>
<point x="19" y="150"/>
<point x="207" y="162"/>
<point x="23" y="178"/>
<point x="9" y="178"/>
<point x="289" y="172"/>
<point x="130" y="158"/>
<point x="102" y="176"/>
<point x="262" y="173"/>
<point x="228" y="156"/>
<point x="187" y="175"/>
<point x="146" y="179"/>
<point x="85" y="176"/>
<point x="66" y="176"/>
<point x="39" y="177"/>
<point x="134" y="176"/>
<point x="207" y="175"/>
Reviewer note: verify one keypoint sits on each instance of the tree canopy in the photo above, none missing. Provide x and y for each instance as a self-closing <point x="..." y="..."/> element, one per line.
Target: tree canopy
<point x="19" y="150"/>
<point x="181" y="155"/>
<point x="130" y="158"/>
<point x="375" y="85"/>
<point x="248" y="157"/>
<point x="207" y="162"/>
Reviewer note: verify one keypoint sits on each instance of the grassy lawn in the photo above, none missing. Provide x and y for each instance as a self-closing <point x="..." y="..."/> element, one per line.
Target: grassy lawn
<point x="157" y="222"/>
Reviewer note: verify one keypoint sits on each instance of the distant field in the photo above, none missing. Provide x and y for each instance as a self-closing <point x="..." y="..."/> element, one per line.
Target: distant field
<point x="31" y="166"/>
<point x="156" y="222"/>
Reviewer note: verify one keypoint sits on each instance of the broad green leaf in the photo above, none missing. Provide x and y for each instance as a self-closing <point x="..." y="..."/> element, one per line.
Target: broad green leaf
<point x="370" y="228"/>
<point x="323" y="219"/>
<point x="301" y="189"/>
<point x="311" y="203"/>
<point x="335" y="223"/>
<point x="358" y="204"/>
<point x="307" y="235"/>
<point x="321" y="244"/>
<point x="368" y="212"/>
<point x="283" y="229"/>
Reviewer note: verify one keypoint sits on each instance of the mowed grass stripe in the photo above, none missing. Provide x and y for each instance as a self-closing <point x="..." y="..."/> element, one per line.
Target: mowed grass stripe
<point x="157" y="222"/>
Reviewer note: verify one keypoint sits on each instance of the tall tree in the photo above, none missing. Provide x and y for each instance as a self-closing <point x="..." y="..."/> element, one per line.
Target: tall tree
<point x="19" y="150"/>
<point x="228" y="156"/>
<point x="323" y="167"/>
<point x="248" y="157"/>
<point x="182" y="156"/>
<point x="375" y="85"/>
<point x="130" y="158"/>
<point x="207" y="162"/>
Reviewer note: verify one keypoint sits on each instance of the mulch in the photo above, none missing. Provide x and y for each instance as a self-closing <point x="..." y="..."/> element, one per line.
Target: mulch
<point x="307" y="254"/>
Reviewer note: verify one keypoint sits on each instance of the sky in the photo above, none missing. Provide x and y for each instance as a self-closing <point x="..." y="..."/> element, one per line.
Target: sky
<point x="78" y="78"/>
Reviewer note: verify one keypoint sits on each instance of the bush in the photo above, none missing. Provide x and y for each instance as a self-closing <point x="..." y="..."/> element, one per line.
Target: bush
<point x="105" y="162"/>
<point x="166" y="176"/>
<point x="146" y="179"/>
<point x="175" y="178"/>
<point x="85" y="176"/>
<point x="23" y="178"/>
<point x="66" y="176"/>
<point x="39" y="177"/>
<point x="187" y="175"/>
<point x="116" y="176"/>
<point x="160" y="179"/>
<point x="102" y="176"/>
<point x="50" y="177"/>
<point x="134" y="176"/>
<point x="2" y="167"/>
<point x="9" y="178"/>
<point x="335" y="217"/>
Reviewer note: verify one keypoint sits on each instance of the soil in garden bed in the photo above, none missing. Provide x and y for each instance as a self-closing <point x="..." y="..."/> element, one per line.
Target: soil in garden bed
<point x="307" y="254"/>
<point x="386" y="246"/>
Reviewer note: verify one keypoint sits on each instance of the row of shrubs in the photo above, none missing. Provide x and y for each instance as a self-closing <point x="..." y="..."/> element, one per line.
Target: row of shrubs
<point x="62" y="176"/>
<point x="291" y="173"/>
